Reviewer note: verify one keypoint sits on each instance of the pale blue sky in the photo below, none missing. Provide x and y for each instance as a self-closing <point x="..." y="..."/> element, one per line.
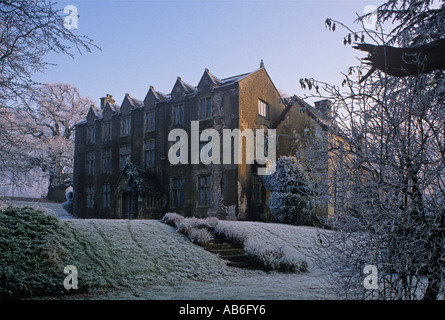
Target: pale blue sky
<point x="152" y="42"/>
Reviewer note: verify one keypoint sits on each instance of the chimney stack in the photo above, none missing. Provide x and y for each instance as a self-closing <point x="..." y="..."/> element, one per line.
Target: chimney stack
<point x="103" y="100"/>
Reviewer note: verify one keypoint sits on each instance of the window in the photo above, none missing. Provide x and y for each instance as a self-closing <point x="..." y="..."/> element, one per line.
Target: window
<point x="90" y="135"/>
<point x="107" y="131"/>
<point x="90" y="163"/>
<point x="154" y="201"/>
<point x="177" y="193"/>
<point x="150" y="153"/>
<point x="106" y="195"/>
<point x="256" y="190"/>
<point x="205" y="108"/>
<point x="125" y="126"/>
<point x="263" y="109"/>
<point x="150" y="121"/>
<point x="203" y="144"/>
<point x="204" y="189"/>
<point x="106" y="160"/>
<point x="124" y="155"/>
<point x="178" y="113"/>
<point x="90" y="196"/>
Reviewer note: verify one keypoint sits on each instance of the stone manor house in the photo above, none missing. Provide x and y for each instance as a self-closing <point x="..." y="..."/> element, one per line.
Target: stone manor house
<point x="121" y="165"/>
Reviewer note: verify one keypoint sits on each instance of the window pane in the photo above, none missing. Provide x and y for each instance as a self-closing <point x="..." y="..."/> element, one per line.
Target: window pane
<point x="207" y="196"/>
<point x="181" y="197"/>
<point x="175" y="199"/>
<point x="201" y="196"/>
<point x="203" y="109"/>
<point x="181" y="114"/>
<point x="209" y="107"/>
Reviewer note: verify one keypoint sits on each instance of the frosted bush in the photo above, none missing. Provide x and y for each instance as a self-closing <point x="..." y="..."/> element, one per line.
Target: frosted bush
<point x="210" y="223"/>
<point x="231" y="232"/>
<point x="172" y="219"/>
<point x="280" y="258"/>
<point x="184" y="227"/>
<point x="200" y="236"/>
<point x="197" y="230"/>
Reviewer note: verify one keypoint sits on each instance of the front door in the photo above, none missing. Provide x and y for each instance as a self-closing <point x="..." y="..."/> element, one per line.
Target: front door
<point x="127" y="205"/>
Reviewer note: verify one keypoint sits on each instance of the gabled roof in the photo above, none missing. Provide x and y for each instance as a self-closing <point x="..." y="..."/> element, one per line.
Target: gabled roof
<point x="93" y="113"/>
<point x="212" y="77"/>
<point x="187" y="87"/>
<point x="113" y="106"/>
<point x="158" y="95"/>
<point x="135" y="103"/>
<point x="324" y="123"/>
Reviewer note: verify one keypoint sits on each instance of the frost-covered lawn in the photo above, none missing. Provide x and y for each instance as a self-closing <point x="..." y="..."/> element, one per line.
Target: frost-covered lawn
<point x="146" y="259"/>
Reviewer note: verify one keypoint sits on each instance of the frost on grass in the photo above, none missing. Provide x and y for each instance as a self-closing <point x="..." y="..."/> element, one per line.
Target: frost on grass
<point x="122" y="253"/>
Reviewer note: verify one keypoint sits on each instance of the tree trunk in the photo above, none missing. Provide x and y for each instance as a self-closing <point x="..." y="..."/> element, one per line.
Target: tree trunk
<point x="56" y="192"/>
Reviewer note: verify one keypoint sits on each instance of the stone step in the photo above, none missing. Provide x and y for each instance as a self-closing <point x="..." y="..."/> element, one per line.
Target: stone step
<point x="221" y="246"/>
<point x="228" y="251"/>
<point x="217" y="246"/>
<point x="240" y="264"/>
<point x="235" y="258"/>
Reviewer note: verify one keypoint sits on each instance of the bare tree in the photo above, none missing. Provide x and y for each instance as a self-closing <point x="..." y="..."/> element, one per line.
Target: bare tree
<point x="386" y="177"/>
<point x="29" y="30"/>
<point x="48" y="130"/>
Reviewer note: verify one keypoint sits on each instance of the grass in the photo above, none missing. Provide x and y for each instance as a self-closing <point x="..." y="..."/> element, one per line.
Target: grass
<point x="147" y="259"/>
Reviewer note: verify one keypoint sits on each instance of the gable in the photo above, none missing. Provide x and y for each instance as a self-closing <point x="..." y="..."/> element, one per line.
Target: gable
<point x="126" y="105"/>
<point x="107" y="112"/>
<point x="208" y="81"/>
<point x="262" y="73"/>
<point x="180" y="89"/>
<point x="152" y="97"/>
<point x="91" y="116"/>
